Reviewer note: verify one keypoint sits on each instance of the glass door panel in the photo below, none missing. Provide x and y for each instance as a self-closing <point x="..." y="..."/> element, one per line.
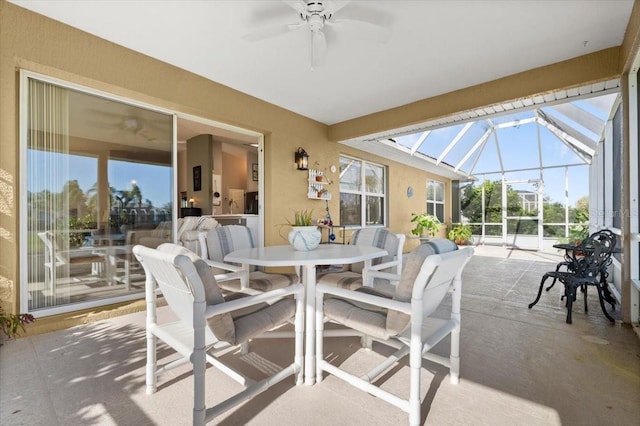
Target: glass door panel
<point x="99" y="179"/>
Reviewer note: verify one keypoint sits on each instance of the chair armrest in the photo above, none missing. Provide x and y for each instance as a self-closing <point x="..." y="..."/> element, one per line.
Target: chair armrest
<point x="234" y="305"/>
<point x="232" y="276"/>
<point x="371" y="299"/>
<point x="384" y="275"/>
<point x="385" y="265"/>
<point x="225" y="266"/>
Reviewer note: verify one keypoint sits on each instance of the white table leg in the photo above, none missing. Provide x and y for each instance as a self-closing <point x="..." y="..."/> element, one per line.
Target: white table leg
<point x="365" y="277"/>
<point x="309" y="280"/>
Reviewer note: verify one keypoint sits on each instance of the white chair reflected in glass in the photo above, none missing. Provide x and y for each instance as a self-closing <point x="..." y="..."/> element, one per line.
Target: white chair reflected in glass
<point x="57" y="255"/>
<point x="404" y="322"/>
<point x="207" y="327"/>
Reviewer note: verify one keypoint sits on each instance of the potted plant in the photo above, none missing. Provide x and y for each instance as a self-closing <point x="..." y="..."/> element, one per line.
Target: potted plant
<point x="460" y="234"/>
<point x="304" y="236"/>
<point x="426" y="225"/>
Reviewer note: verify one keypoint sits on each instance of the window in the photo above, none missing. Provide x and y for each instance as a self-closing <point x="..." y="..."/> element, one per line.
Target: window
<point x="97" y="175"/>
<point x="362" y="193"/>
<point x="435" y="199"/>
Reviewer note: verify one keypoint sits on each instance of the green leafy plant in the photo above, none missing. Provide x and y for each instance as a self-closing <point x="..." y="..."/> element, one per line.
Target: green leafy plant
<point x="13" y="324"/>
<point x="578" y="232"/>
<point x="425" y="224"/>
<point x="460" y="234"/>
<point x="87" y="222"/>
<point x="301" y="218"/>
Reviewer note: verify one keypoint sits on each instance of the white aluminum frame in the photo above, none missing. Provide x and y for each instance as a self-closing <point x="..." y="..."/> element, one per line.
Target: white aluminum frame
<point x="634" y="232"/>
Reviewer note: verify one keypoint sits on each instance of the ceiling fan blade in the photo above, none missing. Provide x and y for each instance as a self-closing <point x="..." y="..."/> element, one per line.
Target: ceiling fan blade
<point x="333" y="6"/>
<point x="318" y="49"/>
<point x="299" y="6"/>
<point x="361" y="29"/>
<point x="269" y="32"/>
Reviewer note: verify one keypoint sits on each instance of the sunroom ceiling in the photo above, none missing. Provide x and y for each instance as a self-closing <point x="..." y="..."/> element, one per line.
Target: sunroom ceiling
<point x="562" y="128"/>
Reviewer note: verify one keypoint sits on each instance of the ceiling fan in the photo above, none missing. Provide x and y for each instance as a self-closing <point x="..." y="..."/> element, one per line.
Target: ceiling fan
<point x="317" y="16"/>
<point x="131" y="125"/>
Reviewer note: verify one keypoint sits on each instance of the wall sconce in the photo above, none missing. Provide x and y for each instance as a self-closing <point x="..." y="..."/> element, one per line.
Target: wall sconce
<point x="192" y="201"/>
<point x="301" y="159"/>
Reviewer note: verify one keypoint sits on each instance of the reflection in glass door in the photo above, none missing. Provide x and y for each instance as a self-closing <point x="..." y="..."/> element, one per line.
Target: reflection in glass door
<point x="98" y="181"/>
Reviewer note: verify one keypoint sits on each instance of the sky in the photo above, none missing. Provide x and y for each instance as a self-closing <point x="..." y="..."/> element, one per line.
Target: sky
<point x="153" y="180"/>
<point x="518" y="149"/>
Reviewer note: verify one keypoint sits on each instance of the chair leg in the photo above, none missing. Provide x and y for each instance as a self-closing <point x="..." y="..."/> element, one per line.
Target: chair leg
<point x="544" y="278"/>
<point x="151" y="363"/>
<point x="555" y="278"/>
<point x="319" y="338"/>
<point x="366" y="342"/>
<point x="583" y="288"/>
<point x="608" y="297"/>
<point x="198" y="359"/>
<point x="601" y="300"/>
<point x="570" y="294"/>
<point x="299" y="340"/>
<point x="415" y="364"/>
<point x="454" y="357"/>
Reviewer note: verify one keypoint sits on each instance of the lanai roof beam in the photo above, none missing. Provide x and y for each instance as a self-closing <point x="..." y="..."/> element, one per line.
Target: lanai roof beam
<point x="478" y="144"/>
<point x="422" y="138"/>
<point x="454" y="141"/>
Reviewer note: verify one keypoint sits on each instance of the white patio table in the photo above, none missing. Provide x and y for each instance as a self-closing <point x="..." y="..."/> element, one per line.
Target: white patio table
<point x="325" y="254"/>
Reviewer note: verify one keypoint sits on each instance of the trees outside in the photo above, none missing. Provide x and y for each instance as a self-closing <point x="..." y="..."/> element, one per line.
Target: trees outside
<point x="471" y="209"/>
<point x="82" y="210"/>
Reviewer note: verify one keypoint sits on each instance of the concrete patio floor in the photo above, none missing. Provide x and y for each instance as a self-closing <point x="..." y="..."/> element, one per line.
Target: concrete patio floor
<point x="518" y="367"/>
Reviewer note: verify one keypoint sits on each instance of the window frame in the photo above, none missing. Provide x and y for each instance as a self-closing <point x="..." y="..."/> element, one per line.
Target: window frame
<point x="364" y="194"/>
<point x="436" y="202"/>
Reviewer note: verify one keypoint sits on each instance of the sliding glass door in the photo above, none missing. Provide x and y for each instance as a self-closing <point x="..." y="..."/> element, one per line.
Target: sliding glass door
<point x="97" y="178"/>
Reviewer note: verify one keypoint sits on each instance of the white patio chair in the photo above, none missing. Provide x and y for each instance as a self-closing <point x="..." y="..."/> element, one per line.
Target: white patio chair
<point x="384" y="273"/>
<point x="207" y="324"/>
<point x="404" y="322"/>
<point x="225" y="239"/>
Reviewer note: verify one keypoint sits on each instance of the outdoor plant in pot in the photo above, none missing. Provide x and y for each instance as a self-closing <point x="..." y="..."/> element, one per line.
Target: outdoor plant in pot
<point x="426" y="225"/>
<point x="304" y="236"/>
<point x="460" y="234"/>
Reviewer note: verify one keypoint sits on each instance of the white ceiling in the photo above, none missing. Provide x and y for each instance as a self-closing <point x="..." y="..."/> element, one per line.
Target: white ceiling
<point x="435" y="46"/>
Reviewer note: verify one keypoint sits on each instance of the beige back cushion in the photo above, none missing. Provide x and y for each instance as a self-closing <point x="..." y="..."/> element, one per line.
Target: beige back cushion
<point x="221" y="325"/>
<point x="398" y="321"/>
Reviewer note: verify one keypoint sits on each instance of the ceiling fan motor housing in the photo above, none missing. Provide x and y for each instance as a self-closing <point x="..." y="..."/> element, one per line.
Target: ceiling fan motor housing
<point x="316" y="15"/>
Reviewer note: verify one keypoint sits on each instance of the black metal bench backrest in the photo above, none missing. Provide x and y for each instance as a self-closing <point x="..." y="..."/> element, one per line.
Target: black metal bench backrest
<point x="594" y="254"/>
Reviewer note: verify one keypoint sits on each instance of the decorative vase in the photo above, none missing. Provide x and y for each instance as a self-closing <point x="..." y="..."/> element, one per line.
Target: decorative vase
<point x="304" y="238"/>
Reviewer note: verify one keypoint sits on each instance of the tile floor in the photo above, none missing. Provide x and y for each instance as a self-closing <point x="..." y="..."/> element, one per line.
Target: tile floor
<point x="518" y="367"/>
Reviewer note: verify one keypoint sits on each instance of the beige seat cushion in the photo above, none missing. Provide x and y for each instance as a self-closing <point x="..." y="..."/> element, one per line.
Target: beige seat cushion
<point x="380" y="322"/>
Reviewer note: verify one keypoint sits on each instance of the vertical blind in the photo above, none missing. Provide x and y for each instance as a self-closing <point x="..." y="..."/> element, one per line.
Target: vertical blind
<point x="47" y="172"/>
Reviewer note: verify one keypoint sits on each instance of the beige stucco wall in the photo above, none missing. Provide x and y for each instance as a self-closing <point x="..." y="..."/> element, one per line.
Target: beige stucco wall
<point x="29" y="41"/>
